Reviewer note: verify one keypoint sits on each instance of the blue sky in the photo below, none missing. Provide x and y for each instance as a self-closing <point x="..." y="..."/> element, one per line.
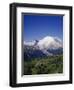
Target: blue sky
<point x="36" y="27"/>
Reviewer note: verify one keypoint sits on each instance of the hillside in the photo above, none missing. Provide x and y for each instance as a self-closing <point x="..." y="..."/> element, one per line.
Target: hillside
<point x="47" y="65"/>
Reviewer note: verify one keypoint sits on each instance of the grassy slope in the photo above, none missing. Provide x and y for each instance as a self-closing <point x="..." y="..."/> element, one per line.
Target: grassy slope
<point x="47" y="65"/>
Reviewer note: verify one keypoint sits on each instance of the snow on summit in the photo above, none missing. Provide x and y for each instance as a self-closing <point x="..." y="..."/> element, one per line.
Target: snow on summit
<point x="47" y="42"/>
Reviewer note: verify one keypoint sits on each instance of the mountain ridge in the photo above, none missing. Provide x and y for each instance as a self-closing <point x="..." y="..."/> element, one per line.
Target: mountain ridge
<point x="48" y="46"/>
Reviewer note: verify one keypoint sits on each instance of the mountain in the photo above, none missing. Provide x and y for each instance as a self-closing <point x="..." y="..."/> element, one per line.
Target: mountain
<point x="48" y="46"/>
<point x="50" y="43"/>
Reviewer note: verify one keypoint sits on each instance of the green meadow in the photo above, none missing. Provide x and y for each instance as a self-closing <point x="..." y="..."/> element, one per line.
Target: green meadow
<point x="44" y="65"/>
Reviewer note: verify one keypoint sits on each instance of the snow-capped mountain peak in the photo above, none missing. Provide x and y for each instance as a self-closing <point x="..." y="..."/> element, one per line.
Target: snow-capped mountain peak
<point x="29" y="43"/>
<point x="48" y="46"/>
<point x="47" y="42"/>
